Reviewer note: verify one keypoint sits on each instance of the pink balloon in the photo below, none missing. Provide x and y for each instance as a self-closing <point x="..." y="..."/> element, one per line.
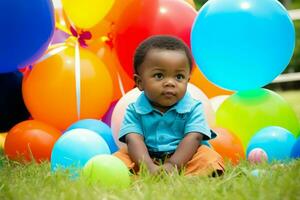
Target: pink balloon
<point x="132" y="95"/>
<point x="257" y="155"/>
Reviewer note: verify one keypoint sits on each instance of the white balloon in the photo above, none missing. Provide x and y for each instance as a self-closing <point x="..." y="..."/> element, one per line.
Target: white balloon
<point x="217" y="101"/>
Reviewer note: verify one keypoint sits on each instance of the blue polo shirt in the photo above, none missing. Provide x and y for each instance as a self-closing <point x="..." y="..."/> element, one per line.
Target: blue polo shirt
<point x="163" y="132"/>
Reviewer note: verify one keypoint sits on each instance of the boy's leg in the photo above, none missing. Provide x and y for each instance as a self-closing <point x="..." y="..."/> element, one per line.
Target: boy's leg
<point x="123" y="155"/>
<point x="205" y="162"/>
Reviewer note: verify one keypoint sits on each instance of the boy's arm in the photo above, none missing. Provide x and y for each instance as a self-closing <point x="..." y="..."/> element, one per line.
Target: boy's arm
<point x="184" y="152"/>
<point x="138" y="152"/>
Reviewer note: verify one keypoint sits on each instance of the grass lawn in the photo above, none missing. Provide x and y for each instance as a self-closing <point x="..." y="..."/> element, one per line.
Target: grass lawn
<point x="274" y="181"/>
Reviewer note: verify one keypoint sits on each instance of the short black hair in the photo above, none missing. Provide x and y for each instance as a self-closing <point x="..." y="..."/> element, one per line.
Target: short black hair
<point x="160" y="42"/>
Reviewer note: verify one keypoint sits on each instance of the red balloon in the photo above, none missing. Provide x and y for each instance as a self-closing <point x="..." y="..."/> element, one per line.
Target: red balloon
<point x="151" y="17"/>
<point x="30" y="140"/>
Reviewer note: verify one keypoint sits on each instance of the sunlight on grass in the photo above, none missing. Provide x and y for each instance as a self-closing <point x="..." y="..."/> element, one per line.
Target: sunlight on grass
<point x="33" y="181"/>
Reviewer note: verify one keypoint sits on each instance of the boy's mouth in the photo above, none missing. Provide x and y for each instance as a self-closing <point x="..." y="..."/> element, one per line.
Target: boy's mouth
<point x="169" y="93"/>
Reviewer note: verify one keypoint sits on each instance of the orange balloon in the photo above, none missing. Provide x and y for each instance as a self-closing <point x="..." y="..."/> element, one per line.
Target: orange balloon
<point x="228" y="145"/>
<point x="211" y="90"/>
<point x="30" y="140"/>
<point x="50" y="94"/>
<point x="122" y="83"/>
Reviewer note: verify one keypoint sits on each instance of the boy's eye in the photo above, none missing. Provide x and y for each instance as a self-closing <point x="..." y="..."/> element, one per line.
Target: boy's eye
<point x="179" y="77"/>
<point x="158" y="76"/>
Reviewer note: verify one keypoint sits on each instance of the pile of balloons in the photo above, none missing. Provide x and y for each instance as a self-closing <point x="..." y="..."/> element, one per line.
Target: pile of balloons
<point x="67" y="66"/>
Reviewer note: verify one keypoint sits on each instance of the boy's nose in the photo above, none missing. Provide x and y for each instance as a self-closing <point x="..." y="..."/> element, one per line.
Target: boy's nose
<point x="169" y="82"/>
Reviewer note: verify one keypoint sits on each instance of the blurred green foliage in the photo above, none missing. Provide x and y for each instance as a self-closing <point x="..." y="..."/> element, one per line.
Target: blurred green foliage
<point x="294" y="65"/>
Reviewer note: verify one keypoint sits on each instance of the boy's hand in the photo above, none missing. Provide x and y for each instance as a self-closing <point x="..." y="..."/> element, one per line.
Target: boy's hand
<point x="168" y="167"/>
<point x="154" y="169"/>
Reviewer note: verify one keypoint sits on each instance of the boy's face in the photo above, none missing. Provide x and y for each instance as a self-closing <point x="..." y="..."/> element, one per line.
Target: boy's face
<point x="163" y="76"/>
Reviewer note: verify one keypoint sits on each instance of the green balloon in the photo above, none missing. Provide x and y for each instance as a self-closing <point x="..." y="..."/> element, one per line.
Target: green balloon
<point x="246" y="112"/>
<point x="107" y="171"/>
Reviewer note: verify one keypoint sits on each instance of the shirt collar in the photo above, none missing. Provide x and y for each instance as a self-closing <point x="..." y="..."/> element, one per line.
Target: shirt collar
<point x="143" y="105"/>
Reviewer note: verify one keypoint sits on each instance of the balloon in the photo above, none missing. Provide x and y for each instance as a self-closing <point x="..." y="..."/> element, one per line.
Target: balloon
<point x="30" y="140"/>
<point x="217" y="101"/>
<point x="26" y="31"/>
<point x="75" y="147"/>
<point x="2" y="140"/>
<point x="257" y="155"/>
<point x="107" y="117"/>
<point x="12" y="107"/>
<point x="131" y="96"/>
<point x="100" y="128"/>
<point x="88" y="13"/>
<point x="295" y="153"/>
<point x="151" y="17"/>
<point x="108" y="171"/>
<point x="244" y="113"/>
<point x="106" y="27"/>
<point x="238" y="44"/>
<point x="122" y="83"/>
<point x="49" y="90"/>
<point x="228" y="145"/>
<point x="59" y="36"/>
<point x="211" y="90"/>
<point x="276" y="141"/>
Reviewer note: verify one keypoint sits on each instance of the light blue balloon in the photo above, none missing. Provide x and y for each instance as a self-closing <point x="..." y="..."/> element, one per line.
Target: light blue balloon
<point x="242" y="44"/>
<point x="276" y="141"/>
<point x="75" y="147"/>
<point x="99" y="127"/>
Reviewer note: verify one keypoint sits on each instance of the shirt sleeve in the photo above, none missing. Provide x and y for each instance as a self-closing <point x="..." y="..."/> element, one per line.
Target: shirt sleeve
<point x="196" y="122"/>
<point x="130" y="124"/>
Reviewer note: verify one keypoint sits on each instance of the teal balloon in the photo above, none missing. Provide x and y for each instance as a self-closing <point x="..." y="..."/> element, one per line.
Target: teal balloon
<point x="276" y="141"/>
<point x="246" y="112"/>
<point x="295" y="153"/>
<point x="75" y="147"/>
<point x="107" y="171"/>
<point x="99" y="127"/>
<point x="242" y="45"/>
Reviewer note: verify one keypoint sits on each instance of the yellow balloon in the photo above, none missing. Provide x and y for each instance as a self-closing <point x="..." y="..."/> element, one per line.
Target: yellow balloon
<point x="87" y="13"/>
<point x="2" y="139"/>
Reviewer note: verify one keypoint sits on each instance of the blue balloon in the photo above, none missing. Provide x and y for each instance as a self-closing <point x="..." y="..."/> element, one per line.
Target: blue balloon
<point x="242" y="45"/>
<point x="26" y="31"/>
<point x="276" y="141"/>
<point x="295" y="153"/>
<point x="75" y="147"/>
<point x="99" y="127"/>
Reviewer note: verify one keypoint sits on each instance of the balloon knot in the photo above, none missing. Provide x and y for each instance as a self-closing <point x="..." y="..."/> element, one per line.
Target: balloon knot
<point x="82" y="37"/>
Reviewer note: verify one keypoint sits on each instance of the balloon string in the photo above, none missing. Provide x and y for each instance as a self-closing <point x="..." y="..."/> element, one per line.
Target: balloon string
<point x="62" y="28"/>
<point x="54" y="50"/>
<point x="121" y="84"/>
<point x="77" y="78"/>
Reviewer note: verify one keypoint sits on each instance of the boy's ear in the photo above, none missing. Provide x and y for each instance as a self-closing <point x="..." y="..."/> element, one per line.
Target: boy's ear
<point x="138" y="82"/>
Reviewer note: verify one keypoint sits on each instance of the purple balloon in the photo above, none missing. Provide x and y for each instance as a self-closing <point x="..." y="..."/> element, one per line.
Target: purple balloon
<point x="107" y="116"/>
<point x="59" y="36"/>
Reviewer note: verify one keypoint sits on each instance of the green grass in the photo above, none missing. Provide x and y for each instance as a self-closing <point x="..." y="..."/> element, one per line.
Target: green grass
<point x="33" y="181"/>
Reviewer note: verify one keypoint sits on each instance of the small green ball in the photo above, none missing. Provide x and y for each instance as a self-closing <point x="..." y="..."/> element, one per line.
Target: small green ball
<point x="108" y="171"/>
